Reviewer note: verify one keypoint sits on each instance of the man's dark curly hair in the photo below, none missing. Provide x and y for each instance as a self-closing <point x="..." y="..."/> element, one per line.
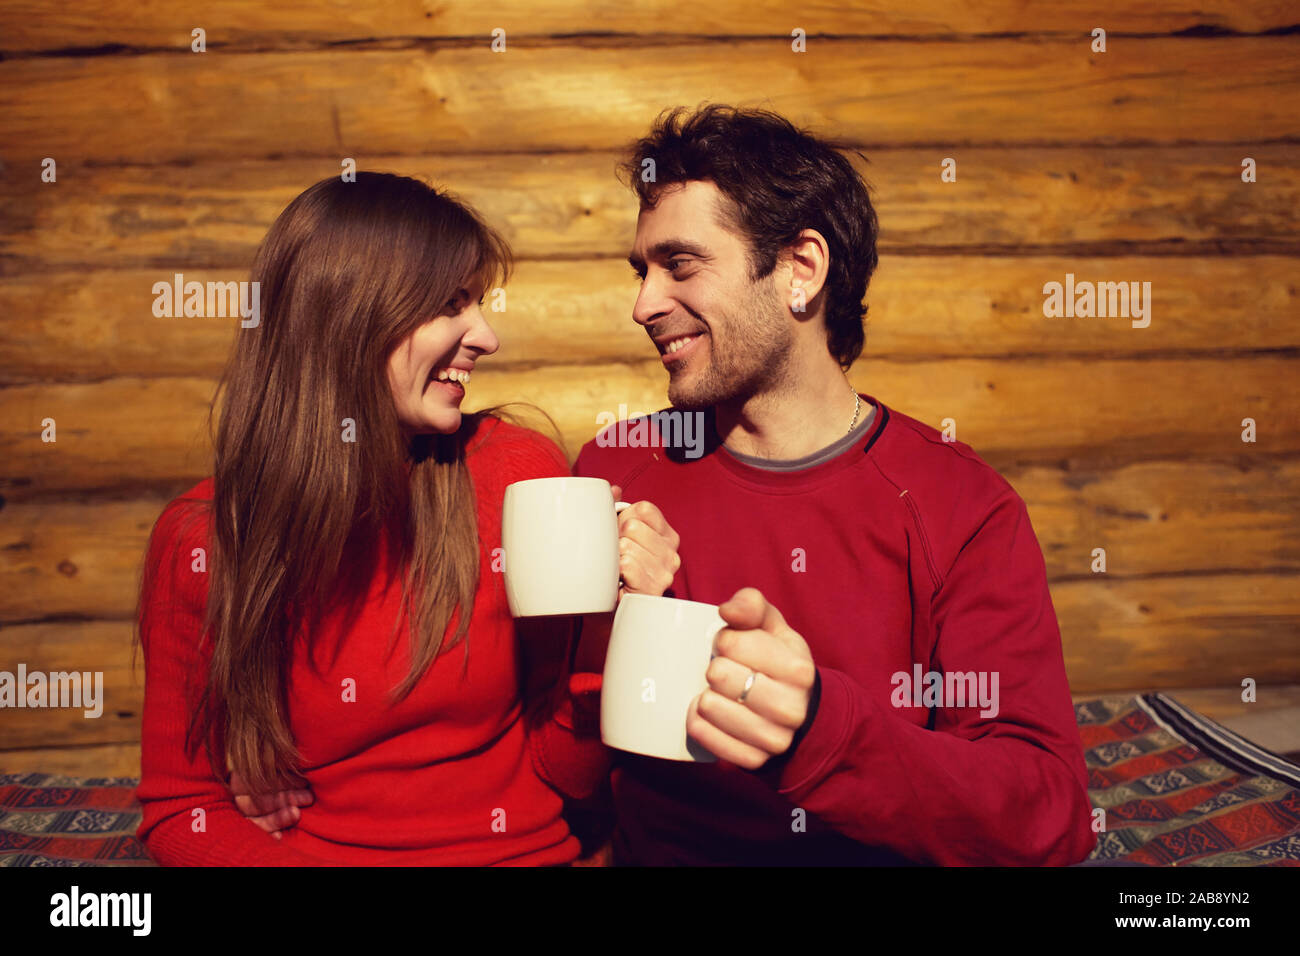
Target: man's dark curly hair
<point x="778" y="180"/>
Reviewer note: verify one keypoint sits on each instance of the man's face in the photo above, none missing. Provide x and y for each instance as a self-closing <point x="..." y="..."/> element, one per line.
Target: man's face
<point x="720" y="335"/>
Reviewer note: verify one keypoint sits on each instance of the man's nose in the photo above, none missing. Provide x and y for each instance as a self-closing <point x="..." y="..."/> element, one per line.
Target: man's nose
<point x="652" y="301"/>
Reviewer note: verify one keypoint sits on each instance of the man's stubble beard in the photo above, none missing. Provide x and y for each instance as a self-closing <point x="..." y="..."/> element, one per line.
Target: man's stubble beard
<point x="753" y="359"/>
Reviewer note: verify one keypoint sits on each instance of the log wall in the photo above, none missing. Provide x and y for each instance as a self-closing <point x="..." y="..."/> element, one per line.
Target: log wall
<point x="1122" y="165"/>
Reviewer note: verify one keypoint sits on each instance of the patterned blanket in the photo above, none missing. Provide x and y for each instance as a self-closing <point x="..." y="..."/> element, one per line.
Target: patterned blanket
<point x="1180" y="789"/>
<point x="1176" y="788"/>
<point x="48" y="820"/>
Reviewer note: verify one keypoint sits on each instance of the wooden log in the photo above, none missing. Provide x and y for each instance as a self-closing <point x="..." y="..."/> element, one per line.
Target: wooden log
<point x="27" y="25"/>
<point x="1099" y="413"/>
<point x="126" y="433"/>
<point x="88" y="328"/>
<point x="570" y="205"/>
<point x="101" y="760"/>
<point x="158" y="108"/>
<point x="215" y="213"/>
<point x="131" y="434"/>
<point x="1192" y="630"/>
<point x="73" y="327"/>
<point x="1165" y="517"/>
<point x="73" y="559"/>
<point x="81" y="646"/>
<point x="83" y="559"/>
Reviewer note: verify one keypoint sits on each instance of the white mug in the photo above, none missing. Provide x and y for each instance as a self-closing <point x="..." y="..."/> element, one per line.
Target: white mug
<point x="657" y="663"/>
<point x="560" y="538"/>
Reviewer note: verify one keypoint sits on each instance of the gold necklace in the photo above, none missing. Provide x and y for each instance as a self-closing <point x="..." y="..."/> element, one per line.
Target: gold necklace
<point x="857" y="408"/>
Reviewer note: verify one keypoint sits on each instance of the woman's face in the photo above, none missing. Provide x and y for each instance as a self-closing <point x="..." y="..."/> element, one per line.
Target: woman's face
<point x="429" y="369"/>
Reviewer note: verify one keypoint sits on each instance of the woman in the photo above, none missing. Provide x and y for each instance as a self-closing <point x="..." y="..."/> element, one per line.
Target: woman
<point x="300" y="609"/>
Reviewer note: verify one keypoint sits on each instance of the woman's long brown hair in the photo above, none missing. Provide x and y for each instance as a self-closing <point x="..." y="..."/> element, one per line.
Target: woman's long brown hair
<point x="347" y="271"/>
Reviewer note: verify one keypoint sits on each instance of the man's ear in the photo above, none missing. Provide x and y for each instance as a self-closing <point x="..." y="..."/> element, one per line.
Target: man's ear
<point x="808" y="259"/>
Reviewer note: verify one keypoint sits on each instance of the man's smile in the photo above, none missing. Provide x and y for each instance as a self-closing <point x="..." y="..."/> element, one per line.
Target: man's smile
<point x="678" y="347"/>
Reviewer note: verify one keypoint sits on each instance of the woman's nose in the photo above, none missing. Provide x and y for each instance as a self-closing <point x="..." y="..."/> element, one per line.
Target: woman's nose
<point x="480" y="335"/>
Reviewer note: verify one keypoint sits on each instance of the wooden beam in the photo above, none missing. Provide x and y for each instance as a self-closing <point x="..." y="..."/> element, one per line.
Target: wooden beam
<point x="158" y="108"/>
<point x="78" y="327"/>
<point x="27" y="25"/>
<point x="102" y="647"/>
<point x="101" y="760"/>
<point x="1089" y="200"/>
<point x="1194" y="630"/>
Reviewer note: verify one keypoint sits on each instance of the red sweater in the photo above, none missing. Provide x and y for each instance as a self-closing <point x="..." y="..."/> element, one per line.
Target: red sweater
<point x="452" y="775"/>
<point x="903" y="550"/>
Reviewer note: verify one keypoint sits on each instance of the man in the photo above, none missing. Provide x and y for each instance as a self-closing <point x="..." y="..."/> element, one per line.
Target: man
<point x="890" y="687"/>
<point x="859" y="559"/>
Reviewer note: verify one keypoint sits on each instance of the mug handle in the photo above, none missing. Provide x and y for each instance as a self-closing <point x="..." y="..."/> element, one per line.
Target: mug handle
<point x="619" y="506"/>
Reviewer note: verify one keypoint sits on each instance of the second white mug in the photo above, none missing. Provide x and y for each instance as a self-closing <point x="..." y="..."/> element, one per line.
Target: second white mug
<point x="657" y="663"/>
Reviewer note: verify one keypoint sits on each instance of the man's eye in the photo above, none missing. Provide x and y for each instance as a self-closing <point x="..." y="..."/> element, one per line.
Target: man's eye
<point x="673" y="263"/>
<point x="640" y="276"/>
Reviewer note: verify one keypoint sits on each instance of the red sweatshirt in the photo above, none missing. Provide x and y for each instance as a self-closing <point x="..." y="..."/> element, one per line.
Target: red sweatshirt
<point x="901" y="555"/>
<point x="451" y="775"/>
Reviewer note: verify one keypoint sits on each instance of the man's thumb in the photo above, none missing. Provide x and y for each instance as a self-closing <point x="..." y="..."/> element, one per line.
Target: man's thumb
<point x="744" y="609"/>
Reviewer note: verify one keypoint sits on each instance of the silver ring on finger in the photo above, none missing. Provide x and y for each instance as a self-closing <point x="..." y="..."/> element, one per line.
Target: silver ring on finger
<point x="749" y="685"/>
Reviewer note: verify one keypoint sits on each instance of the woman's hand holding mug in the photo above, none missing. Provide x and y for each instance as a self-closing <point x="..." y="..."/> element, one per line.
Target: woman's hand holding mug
<point x="570" y="549"/>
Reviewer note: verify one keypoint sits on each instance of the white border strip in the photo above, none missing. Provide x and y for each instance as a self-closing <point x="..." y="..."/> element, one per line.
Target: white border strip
<point x="1229" y="740"/>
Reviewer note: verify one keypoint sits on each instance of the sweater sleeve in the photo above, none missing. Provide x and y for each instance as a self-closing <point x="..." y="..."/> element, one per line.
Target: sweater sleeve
<point x="565" y="743"/>
<point x="175" y="786"/>
<point x="1007" y="788"/>
<point x="562" y="708"/>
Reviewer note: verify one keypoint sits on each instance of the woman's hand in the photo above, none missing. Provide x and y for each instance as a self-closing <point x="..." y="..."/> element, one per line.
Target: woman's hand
<point x="272" y="812"/>
<point x="647" y="549"/>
